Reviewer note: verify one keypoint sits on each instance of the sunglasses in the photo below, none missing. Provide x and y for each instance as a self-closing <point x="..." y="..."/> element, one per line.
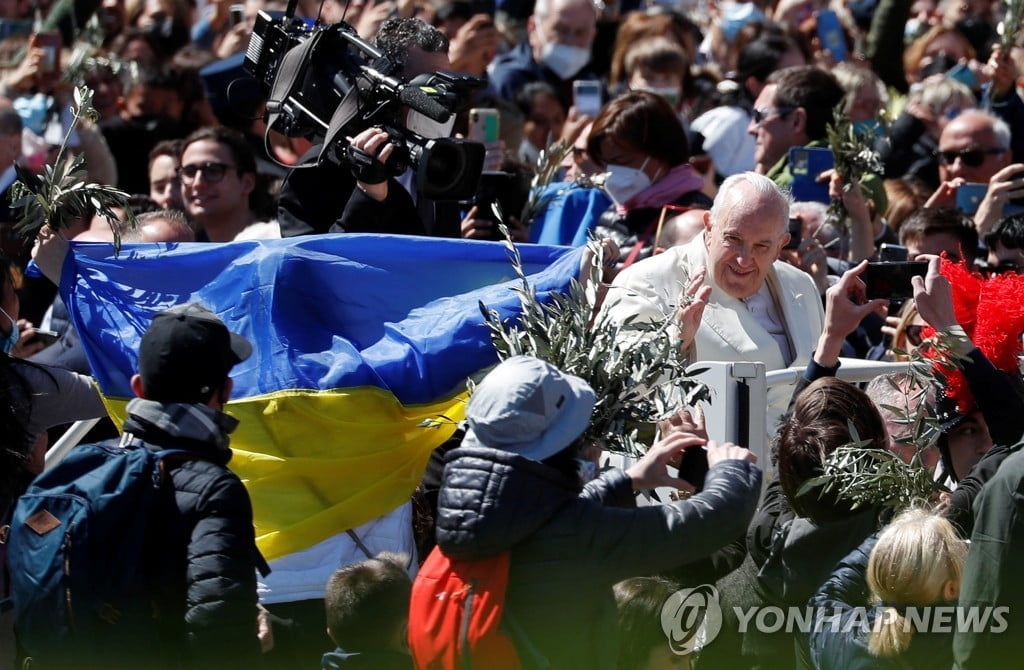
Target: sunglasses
<point x="761" y="115"/>
<point x="1003" y="268"/>
<point x="969" y="157"/>
<point x="213" y="172"/>
<point x="913" y="334"/>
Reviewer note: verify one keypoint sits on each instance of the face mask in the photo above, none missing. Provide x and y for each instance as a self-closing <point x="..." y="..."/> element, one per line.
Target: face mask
<point x="867" y="128"/>
<point x="735" y="16"/>
<point x="625" y="182"/>
<point x="33" y="111"/>
<point x="11" y="338"/>
<point x="528" y="153"/>
<point x="428" y="128"/>
<point x="913" y="30"/>
<point x="564" y="60"/>
<point x="669" y="93"/>
<point x="586" y="470"/>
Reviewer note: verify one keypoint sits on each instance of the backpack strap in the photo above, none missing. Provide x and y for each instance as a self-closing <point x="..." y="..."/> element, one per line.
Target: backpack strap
<point x="167" y="460"/>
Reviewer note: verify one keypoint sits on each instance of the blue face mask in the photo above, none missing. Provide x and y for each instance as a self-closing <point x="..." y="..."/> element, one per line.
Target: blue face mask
<point x="11" y="338"/>
<point x="586" y="470"/>
<point x="867" y="127"/>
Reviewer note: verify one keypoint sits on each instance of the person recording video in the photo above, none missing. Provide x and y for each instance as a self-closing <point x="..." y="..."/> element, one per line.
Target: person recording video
<point x="377" y="202"/>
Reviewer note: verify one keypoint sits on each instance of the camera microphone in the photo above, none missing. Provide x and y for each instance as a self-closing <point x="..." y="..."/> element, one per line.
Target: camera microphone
<point x="417" y="99"/>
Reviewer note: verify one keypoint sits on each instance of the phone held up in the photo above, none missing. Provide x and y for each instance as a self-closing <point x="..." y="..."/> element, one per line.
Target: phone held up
<point x="50" y="44"/>
<point x="891" y="280"/>
<point x="796" y="229"/>
<point x="806" y="164"/>
<point x="484" y="125"/>
<point x="889" y="253"/>
<point x="586" y="96"/>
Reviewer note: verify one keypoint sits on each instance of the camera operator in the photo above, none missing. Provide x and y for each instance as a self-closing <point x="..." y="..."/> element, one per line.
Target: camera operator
<point x="371" y="201"/>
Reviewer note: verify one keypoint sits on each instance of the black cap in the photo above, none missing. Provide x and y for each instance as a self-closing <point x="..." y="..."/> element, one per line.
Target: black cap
<point x="186" y="354"/>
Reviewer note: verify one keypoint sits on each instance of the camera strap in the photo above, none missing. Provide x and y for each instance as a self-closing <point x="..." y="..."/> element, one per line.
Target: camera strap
<point x="345" y="112"/>
<point x="289" y="75"/>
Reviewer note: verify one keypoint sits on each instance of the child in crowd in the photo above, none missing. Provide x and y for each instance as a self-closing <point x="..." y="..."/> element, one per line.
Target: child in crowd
<point x="643" y="642"/>
<point x="367" y="613"/>
<point x="915" y="562"/>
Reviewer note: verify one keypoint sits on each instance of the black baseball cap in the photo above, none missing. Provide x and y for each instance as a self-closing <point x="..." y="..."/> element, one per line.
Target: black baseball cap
<point x="186" y="353"/>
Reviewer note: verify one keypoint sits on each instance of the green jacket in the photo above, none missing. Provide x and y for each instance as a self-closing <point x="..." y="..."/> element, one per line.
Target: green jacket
<point x="993" y="576"/>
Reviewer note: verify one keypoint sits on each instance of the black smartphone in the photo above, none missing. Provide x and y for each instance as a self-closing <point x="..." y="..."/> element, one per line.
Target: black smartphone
<point x="796" y="232"/>
<point x="508" y="189"/>
<point x="892" y="280"/>
<point x="892" y="253"/>
<point x="694" y="467"/>
<point x="47" y="337"/>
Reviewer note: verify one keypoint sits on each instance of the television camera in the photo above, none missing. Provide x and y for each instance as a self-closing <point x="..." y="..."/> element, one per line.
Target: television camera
<point x="327" y="84"/>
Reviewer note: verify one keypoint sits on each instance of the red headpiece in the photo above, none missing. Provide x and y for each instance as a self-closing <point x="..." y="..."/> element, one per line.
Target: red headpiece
<point x="991" y="311"/>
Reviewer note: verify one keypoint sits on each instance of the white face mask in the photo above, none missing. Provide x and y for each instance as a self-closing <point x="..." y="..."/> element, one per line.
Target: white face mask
<point x="426" y="127"/>
<point x="623" y="182"/>
<point x="563" y="59"/>
<point x="528" y="153"/>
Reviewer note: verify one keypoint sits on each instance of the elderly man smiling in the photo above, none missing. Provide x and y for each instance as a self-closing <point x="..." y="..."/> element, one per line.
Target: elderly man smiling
<point x="732" y="298"/>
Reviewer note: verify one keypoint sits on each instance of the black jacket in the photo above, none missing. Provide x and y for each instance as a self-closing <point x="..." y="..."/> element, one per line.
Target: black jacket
<point x="325" y="199"/>
<point x="568" y="549"/>
<point x="207" y="562"/>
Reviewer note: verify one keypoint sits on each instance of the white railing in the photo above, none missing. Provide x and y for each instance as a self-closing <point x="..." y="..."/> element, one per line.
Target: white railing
<point x="739" y="391"/>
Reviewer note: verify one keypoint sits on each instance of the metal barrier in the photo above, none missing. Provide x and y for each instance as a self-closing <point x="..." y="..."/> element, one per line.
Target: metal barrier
<point x="738" y="408"/>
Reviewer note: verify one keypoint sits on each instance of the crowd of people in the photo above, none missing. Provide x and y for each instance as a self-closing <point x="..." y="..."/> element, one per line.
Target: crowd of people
<point x="681" y="134"/>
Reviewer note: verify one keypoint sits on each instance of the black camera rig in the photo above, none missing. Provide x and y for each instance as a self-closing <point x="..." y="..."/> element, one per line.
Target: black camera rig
<point x="327" y="84"/>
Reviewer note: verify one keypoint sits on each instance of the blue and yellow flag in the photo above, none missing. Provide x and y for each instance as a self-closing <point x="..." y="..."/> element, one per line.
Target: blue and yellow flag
<point x="356" y="340"/>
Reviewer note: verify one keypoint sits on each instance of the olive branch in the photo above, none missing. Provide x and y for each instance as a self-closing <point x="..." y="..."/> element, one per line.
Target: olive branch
<point x="868" y="475"/>
<point x="637" y="370"/>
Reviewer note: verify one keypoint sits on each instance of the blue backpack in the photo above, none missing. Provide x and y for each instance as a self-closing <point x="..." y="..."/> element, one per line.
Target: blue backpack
<point x="81" y="538"/>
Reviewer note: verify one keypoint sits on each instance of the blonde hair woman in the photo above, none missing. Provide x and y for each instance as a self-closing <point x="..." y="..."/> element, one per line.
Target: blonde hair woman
<point x="915" y="562"/>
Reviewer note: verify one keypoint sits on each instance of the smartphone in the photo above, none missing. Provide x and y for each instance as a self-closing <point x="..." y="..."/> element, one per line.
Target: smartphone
<point x="796" y="232"/>
<point x="831" y="34"/>
<point x="237" y="13"/>
<point x="892" y="253"/>
<point x="47" y="337"/>
<point x="805" y="164"/>
<point x="586" y="96"/>
<point x="892" y="280"/>
<point x="694" y="467"/>
<point x="50" y="44"/>
<point x="969" y="196"/>
<point x="484" y="124"/>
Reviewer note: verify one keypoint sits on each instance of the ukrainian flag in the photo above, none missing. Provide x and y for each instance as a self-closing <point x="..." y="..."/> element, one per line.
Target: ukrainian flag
<point x="356" y="340"/>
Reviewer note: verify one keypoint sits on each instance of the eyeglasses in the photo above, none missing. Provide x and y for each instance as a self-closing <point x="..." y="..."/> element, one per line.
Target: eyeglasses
<point x="761" y="115"/>
<point x="913" y="334"/>
<point x="213" y="172"/>
<point x="969" y="157"/>
<point x="1002" y="267"/>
